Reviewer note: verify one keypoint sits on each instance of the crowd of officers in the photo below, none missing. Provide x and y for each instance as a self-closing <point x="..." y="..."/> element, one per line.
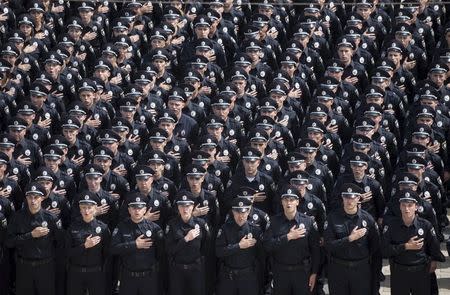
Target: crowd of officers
<point x="222" y="147"/>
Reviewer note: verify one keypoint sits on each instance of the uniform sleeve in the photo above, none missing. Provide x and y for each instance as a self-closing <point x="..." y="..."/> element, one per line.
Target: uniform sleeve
<point x="314" y="247"/>
<point x="73" y="250"/>
<point x="174" y="240"/>
<point x="432" y="245"/>
<point x="118" y="247"/>
<point x="223" y="248"/>
<point x="271" y="241"/>
<point x="374" y="236"/>
<point x="333" y="244"/>
<point x="387" y="248"/>
<point x="15" y="239"/>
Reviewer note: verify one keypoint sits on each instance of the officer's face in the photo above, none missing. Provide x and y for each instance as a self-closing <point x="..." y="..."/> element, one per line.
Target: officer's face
<point x="52" y="163"/>
<point x="221" y="111"/>
<point x="240" y="85"/>
<point x="395" y="57"/>
<point x="254" y="54"/>
<point x="86" y="14"/>
<point x="218" y="8"/>
<point x="301" y="187"/>
<point x="365" y="131"/>
<point x="437" y="78"/>
<point x="113" y="146"/>
<point x="425" y="120"/>
<point x="159" y="64"/>
<point x="53" y="69"/>
<point x="216" y="132"/>
<point x="422" y="140"/>
<point x="288" y="68"/>
<point x="185" y="211"/>
<point x="158" y="167"/>
<point x="251" y="167"/>
<point x="268" y="112"/>
<point x="137" y="213"/>
<point x="408" y="209"/>
<point x="309" y="155"/>
<point x="210" y="150"/>
<point x="17" y="134"/>
<point x="70" y="134"/>
<point x="259" y="145"/>
<point x="87" y="98"/>
<point x="47" y="185"/>
<point x="363" y="11"/>
<point x="267" y="11"/>
<point x="10" y="58"/>
<point x="429" y="102"/>
<point x="167" y="126"/>
<point x="404" y="186"/>
<point x="195" y="182"/>
<point x="144" y="183"/>
<point x="240" y="217"/>
<point x="350" y="204"/>
<point x="93" y="182"/>
<point x="127" y="113"/>
<point x="345" y="54"/>
<point x="27" y="117"/>
<point x="3" y="168"/>
<point x="417" y="172"/>
<point x="289" y="205"/>
<point x="38" y="101"/>
<point x="105" y="163"/>
<point x="358" y="171"/>
<point x="158" y="145"/>
<point x="87" y="211"/>
<point x="7" y="150"/>
<point x="176" y="106"/>
<point x="202" y="31"/>
<point x="279" y="98"/>
<point x="102" y="74"/>
<point x="375" y="99"/>
<point x="335" y="74"/>
<point x="34" y="202"/>
<point x="158" y="43"/>
<point x="376" y="119"/>
<point x="316" y="136"/>
<point x="26" y="29"/>
<point x="404" y="39"/>
<point x="298" y="166"/>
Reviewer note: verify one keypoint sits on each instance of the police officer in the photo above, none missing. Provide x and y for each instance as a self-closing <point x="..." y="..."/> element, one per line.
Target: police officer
<point x="239" y="251"/>
<point x="87" y="242"/>
<point x="35" y="234"/>
<point x="137" y="241"/>
<point x="187" y="244"/>
<point x="351" y="237"/>
<point x="412" y="247"/>
<point x="292" y="241"/>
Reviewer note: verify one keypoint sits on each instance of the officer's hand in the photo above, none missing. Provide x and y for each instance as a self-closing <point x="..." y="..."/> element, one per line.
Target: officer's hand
<point x="357" y="234"/>
<point x="91" y="241"/>
<point x="116" y="80"/>
<point x="284" y="122"/>
<point x="366" y="197"/>
<point x="296" y="233"/>
<point x="115" y="196"/>
<point x="223" y="159"/>
<point x="175" y="155"/>
<point x="178" y="40"/>
<point x="273" y="33"/>
<point x="427" y="197"/>
<point x="81" y="56"/>
<point x="415" y="243"/>
<point x="46" y="123"/>
<point x="312" y="281"/>
<point x="259" y="197"/>
<point x="30" y="48"/>
<point x="352" y="80"/>
<point x="61" y="192"/>
<point x="435" y="147"/>
<point x="200" y="211"/>
<point x="103" y="9"/>
<point x="295" y="93"/>
<point x="90" y="36"/>
<point x="40" y="35"/>
<point x="103" y="209"/>
<point x="39" y="231"/>
<point x="143" y="243"/>
<point x="273" y="155"/>
<point x="246" y="242"/>
<point x="3" y="17"/>
<point x="57" y="9"/>
<point x="328" y="145"/>
<point x="433" y="266"/>
<point x="205" y="90"/>
<point x="5" y="192"/>
<point x="77" y="161"/>
<point x="55" y="211"/>
<point x="24" y="160"/>
<point x="332" y="128"/>
<point x="24" y="67"/>
<point x="120" y="170"/>
<point x="92" y="122"/>
<point x="192" y="234"/>
<point x="146" y="8"/>
<point x="253" y="93"/>
<point x="409" y="64"/>
<point x="135" y="139"/>
<point x="13" y="177"/>
<point x="152" y="216"/>
<point x="106" y="96"/>
<point x="279" y="139"/>
<point x="134" y="38"/>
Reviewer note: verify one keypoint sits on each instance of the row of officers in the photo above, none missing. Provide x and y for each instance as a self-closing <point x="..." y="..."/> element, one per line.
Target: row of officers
<point x="288" y="255"/>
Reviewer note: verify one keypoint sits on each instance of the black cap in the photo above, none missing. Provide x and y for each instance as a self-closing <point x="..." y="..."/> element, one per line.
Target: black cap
<point x="413" y="149"/>
<point x="177" y="93"/>
<point x="308" y="145"/>
<point x="241" y="205"/>
<point x="184" y="198"/>
<point x="195" y="170"/>
<point x="289" y="191"/>
<point x="87" y="197"/>
<point x="103" y="152"/>
<point x="268" y="104"/>
<point x="58" y="141"/>
<point x="51" y="152"/>
<point x="416" y="162"/>
<point x="26" y="108"/>
<point x="158" y="134"/>
<point x="214" y="121"/>
<point x="167" y="116"/>
<point x="143" y="172"/>
<point x="396" y="46"/>
<point x="137" y="200"/>
<point x="35" y="188"/>
<point x="120" y="124"/>
<point x="374" y="90"/>
<point x="295" y="158"/>
<point x="372" y="110"/>
<point x="38" y="89"/>
<point x="264" y="122"/>
<point x="109" y="136"/>
<point x="408" y="196"/>
<point x="4" y="159"/>
<point x="364" y="123"/>
<point x="70" y="123"/>
<point x="6" y="140"/>
<point x="315" y="126"/>
<point x="438" y="67"/>
<point x="201" y="21"/>
<point x="422" y="130"/>
<point x="359" y="159"/>
<point x="103" y="64"/>
<point x="430" y="93"/>
<point x="250" y="154"/>
<point x="44" y="173"/>
<point x="425" y="111"/>
<point x="93" y="170"/>
<point x="345" y="42"/>
<point x="361" y="141"/>
<point x="259" y="135"/>
<point x="350" y="190"/>
<point x="318" y="109"/>
<point x="17" y="124"/>
<point x="156" y="156"/>
<point x="128" y="104"/>
<point x="299" y="178"/>
<point x="200" y="157"/>
<point x="407" y="178"/>
<point x="207" y="141"/>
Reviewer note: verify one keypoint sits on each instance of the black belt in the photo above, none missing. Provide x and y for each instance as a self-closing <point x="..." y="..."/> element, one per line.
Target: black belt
<point x="34" y="262"/>
<point x="193" y="265"/>
<point x="293" y="267"/>
<point x="85" y="269"/>
<point x="234" y="272"/>
<point x="411" y="268"/>
<point x="139" y="274"/>
<point x="350" y="263"/>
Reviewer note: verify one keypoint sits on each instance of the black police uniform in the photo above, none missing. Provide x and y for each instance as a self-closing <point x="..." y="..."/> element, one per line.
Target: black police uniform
<point x="139" y="267"/>
<point x="87" y="266"/>
<point x="6" y="211"/>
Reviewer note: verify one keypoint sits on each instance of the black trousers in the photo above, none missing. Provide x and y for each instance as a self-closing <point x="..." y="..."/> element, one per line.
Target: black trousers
<point x="34" y="278"/>
<point x="137" y="284"/>
<point x="406" y="281"/>
<point x="237" y="283"/>
<point x="185" y="279"/>
<point x="91" y="280"/>
<point x="290" y="282"/>
<point x="349" y="280"/>
<point x="4" y="271"/>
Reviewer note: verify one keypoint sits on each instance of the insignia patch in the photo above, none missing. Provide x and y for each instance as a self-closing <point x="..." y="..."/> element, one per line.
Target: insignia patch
<point x="385" y="229"/>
